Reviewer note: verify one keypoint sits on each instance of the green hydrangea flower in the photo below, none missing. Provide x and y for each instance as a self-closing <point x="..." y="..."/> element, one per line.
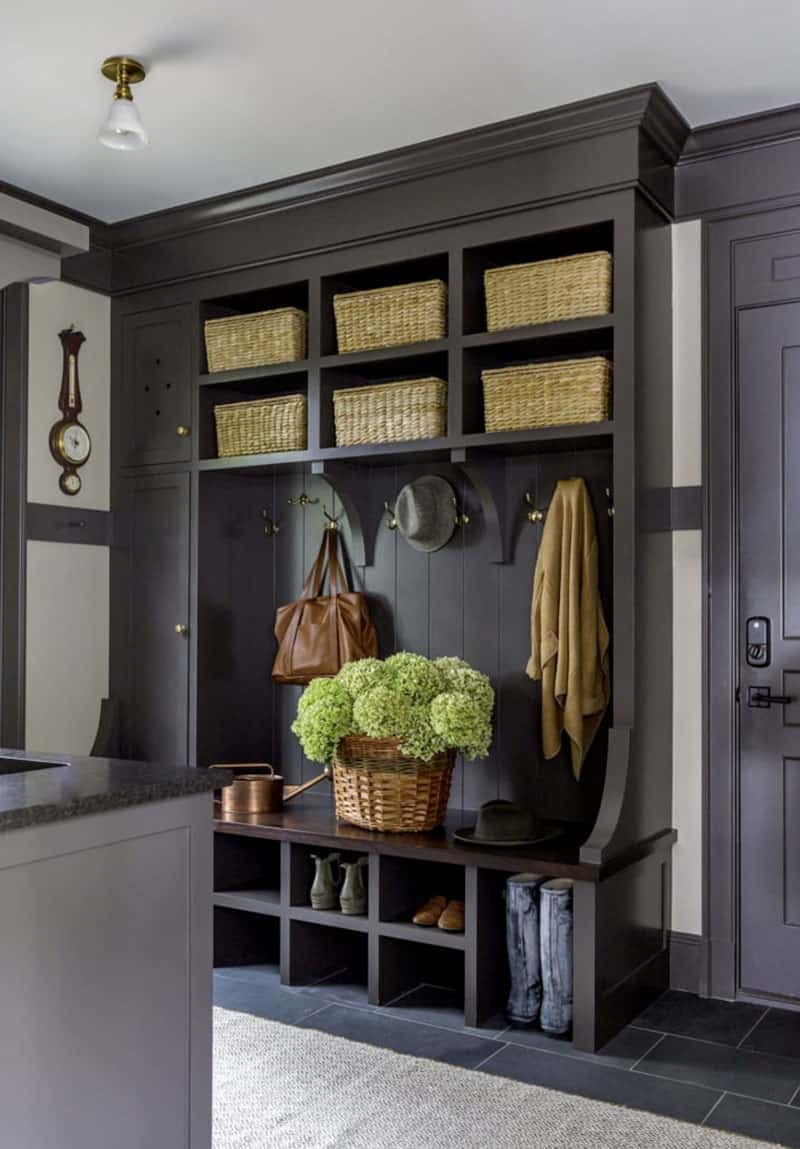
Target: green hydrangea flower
<point x="383" y="713"/>
<point x="359" y="677"/>
<point x="324" y="717"/>
<point x="415" y="676"/>
<point x="459" y="676"/>
<point x="462" y="722"/>
<point x="429" y="707"/>
<point x="420" y="739"/>
<point x="329" y="689"/>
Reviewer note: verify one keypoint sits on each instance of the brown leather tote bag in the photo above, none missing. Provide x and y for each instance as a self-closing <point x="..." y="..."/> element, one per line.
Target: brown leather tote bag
<point x="318" y="634"/>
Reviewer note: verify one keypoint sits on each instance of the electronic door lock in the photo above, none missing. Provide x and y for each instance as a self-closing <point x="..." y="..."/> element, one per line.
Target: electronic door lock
<point x="758" y="642"/>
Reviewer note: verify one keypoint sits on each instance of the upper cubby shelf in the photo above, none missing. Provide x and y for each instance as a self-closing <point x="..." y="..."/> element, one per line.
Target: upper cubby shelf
<point x="547" y="245"/>
<point x="249" y="303"/>
<point x="428" y="267"/>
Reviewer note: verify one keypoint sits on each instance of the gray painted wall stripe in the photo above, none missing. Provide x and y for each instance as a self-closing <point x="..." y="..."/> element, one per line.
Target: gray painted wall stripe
<point x="56" y="524"/>
<point x="672" y="509"/>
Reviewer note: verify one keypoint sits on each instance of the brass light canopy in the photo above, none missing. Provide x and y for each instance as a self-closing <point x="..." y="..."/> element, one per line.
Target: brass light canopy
<point x="123" y="130"/>
<point x="123" y="71"/>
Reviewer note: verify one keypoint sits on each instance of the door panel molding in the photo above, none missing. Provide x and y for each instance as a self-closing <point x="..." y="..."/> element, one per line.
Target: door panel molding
<point x="726" y="244"/>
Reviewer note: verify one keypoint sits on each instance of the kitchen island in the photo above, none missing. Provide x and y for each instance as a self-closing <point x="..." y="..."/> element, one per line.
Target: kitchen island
<point x="105" y="953"/>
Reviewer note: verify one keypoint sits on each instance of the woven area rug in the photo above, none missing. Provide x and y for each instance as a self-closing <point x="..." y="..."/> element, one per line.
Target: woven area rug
<point x="280" y="1087"/>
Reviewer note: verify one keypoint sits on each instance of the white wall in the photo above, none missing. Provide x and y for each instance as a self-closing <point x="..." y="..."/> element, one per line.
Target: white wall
<point x="688" y="582"/>
<point x="67" y="592"/>
<point x="20" y="262"/>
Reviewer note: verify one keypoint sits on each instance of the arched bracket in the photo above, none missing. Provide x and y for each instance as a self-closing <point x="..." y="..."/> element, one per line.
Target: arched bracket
<point x="597" y="848"/>
<point x="488" y="477"/>
<point x="362" y="502"/>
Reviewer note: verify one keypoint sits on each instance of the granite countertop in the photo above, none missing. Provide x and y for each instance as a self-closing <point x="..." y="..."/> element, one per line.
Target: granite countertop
<point x="69" y="787"/>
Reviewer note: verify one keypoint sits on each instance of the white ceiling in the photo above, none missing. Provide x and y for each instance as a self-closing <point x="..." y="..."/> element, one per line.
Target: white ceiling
<point x="246" y="91"/>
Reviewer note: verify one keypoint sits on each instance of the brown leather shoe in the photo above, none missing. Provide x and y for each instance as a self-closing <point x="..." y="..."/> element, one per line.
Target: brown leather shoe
<point x="452" y="918"/>
<point x="431" y="912"/>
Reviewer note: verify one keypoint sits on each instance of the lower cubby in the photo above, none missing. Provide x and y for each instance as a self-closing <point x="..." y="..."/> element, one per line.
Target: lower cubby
<point x="406" y="884"/>
<point x="318" y="951"/>
<point x="242" y="938"/>
<point x="247" y="873"/>
<point x="403" y="965"/>
<point x="302" y="868"/>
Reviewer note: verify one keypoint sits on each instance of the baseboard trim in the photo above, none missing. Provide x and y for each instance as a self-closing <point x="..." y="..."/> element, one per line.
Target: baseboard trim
<point x="687" y="954"/>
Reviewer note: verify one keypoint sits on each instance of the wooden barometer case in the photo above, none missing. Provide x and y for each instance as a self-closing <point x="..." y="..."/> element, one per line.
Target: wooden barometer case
<point x="70" y="444"/>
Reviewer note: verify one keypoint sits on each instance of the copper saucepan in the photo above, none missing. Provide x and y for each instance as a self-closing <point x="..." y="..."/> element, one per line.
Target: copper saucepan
<point x="260" y="793"/>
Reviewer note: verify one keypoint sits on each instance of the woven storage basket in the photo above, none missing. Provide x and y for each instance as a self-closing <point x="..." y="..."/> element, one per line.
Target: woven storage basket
<point x="256" y="340"/>
<point x="261" y="425"/>
<point x="576" y="285"/>
<point x="390" y="316"/>
<point x="379" y="788"/>
<point x="546" y="394"/>
<point x="391" y="412"/>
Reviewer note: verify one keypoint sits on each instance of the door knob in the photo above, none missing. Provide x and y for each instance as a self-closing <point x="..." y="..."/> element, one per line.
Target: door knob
<point x="183" y="431"/>
<point x="181" y="628"/>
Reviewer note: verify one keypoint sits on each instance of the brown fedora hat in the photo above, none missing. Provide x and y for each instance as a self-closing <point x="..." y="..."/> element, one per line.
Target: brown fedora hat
<point x="504" y="823"/>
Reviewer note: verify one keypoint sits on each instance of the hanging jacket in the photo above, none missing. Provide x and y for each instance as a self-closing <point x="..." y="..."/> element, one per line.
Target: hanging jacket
<point x="569" y="636"/>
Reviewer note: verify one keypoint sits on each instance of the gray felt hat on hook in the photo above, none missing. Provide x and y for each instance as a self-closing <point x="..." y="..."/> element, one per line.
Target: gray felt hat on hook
<point x="426" y="511"/>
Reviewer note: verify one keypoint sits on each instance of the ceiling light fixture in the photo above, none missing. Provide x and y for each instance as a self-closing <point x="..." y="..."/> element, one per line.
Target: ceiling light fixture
<point x="123" y="129"/>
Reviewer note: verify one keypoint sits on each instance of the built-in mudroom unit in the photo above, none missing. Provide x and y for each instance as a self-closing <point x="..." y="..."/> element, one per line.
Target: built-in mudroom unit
<point x="207" y="546"/>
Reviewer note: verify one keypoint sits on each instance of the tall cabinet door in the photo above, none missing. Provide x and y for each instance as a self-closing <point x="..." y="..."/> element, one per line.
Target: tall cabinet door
<point x="157" y="663"/>
<point x="157" y="390"/>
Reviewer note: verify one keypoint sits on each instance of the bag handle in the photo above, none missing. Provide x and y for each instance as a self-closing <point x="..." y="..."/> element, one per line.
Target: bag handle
<point x="328" y="551"/>
<point x="335" y="573"/>
<point x="313" y="583"/>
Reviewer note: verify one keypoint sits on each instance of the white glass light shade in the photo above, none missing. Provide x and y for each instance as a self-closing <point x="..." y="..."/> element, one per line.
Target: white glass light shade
<point x="123" y="129"/>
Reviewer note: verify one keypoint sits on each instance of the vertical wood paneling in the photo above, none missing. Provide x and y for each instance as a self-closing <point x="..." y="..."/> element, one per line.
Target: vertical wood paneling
<point x="518" y="735"/>
<point x="289" y="575"/>
<point x="481" y="642"/>
<point x="446" y="613"/>
<point x="380" y="579"/>
<point x="412" y="593"/>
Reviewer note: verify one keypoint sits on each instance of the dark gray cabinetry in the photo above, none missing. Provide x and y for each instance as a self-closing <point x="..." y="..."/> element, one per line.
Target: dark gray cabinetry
<point x="157" y="649"/>
<point x="157" y="394"/>
<point x="473" y="598"/>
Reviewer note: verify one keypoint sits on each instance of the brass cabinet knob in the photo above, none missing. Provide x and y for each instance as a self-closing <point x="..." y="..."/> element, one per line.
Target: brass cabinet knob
<point x="184" y="432"/>
<point x="181" y="628"/>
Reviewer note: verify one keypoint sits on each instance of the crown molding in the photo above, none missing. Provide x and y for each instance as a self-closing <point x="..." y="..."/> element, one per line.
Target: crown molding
<point x="726" y="137"/>
<point x="645" y="107"/>
<point x="740" y="166"/>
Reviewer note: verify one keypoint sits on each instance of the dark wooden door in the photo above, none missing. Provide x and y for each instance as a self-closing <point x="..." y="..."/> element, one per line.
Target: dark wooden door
<point x="157" y="714"/>
<point x="769" y="579"/>
<point x="157" y="393"/>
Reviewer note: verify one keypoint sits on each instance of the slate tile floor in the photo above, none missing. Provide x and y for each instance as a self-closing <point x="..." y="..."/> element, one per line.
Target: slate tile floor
<point x="728" y="1065"/>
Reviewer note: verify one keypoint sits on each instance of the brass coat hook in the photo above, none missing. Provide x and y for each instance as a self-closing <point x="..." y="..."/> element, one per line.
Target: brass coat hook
<point x="270" y="526"/>
<point x="391" y="521"/>
<point x="461" y="519"/>
<point x="534" y="514"/>
<point x="333" y="522"/>
<point x="302" y="500"/>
